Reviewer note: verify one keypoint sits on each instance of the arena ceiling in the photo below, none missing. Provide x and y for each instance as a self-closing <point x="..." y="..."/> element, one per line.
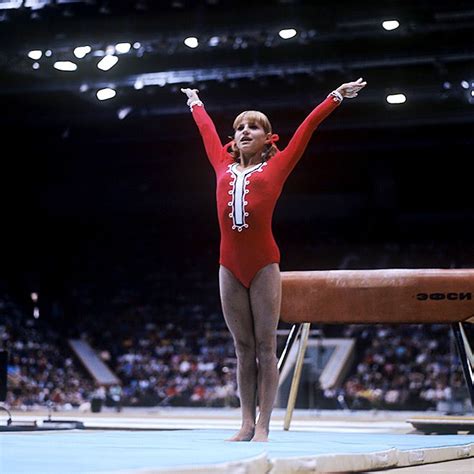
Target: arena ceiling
<point x="76" y="159"/>
<point x="241" y="59"/>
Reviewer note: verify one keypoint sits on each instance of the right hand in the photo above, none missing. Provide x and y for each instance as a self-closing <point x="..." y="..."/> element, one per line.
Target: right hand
<point x="351" y="89"/>
<point x="192" y="94"/>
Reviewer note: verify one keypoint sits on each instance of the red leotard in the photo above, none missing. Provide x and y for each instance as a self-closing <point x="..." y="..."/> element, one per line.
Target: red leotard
<point x="246" y="199"/>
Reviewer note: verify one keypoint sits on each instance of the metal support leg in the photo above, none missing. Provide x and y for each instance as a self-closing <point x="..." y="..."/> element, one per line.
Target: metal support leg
<point x="297" y="375"/>
<point x="294" y="333"/>
<point x="465" y="353"/>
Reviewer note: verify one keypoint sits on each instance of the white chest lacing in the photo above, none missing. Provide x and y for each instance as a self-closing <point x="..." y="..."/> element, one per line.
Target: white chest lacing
<point x="238" y="192"/>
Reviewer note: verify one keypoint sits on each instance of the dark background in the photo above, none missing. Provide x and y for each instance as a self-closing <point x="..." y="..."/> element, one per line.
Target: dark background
<point x="83" y="191"/>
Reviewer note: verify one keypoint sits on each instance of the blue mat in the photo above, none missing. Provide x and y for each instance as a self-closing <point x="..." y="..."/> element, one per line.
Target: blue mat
<point x="81" y="451"/>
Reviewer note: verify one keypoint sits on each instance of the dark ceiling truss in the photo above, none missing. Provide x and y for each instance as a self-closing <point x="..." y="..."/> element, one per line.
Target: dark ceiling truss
<point x="428" y="50"/>
<point x="223" y="74"/>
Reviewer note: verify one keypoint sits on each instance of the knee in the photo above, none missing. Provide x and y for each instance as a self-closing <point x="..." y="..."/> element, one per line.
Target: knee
<point x="245" y="350"/>
<point x="266" y="351"/>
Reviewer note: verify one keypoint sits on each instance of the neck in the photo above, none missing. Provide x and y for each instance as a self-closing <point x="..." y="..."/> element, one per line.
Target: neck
<point x="250" y="160"/>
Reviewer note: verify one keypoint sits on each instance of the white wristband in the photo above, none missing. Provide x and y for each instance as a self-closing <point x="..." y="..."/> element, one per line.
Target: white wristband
<point x="193" y="103"/>
<point x="336" y="96"/>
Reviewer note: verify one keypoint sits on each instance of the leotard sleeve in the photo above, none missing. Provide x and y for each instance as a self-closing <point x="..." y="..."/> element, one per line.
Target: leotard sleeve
<point x="207" y="129"/>
<point x="298" y="143"/>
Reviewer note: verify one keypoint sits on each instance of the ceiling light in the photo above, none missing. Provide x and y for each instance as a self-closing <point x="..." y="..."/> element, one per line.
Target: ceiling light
<point x="122" y="48"/>
<point x="107" y="93"/>
<point x="123" y="112"/>
<point x="390" y="25"/>
<point x="214" y="41"/>
<point x="82" y="51"/>
<point x="191" y="42"/>
<point x="396" y="98"/>
<point x="107" y="62"/>
<point x="287" y="33"/>
<point x="65" y="66"/>
<point x="139" y="84"/>
<point x="35" y="54"/>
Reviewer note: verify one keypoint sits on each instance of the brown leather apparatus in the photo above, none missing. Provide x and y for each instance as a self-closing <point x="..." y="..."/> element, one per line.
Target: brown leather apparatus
<point x="378" y="296"/>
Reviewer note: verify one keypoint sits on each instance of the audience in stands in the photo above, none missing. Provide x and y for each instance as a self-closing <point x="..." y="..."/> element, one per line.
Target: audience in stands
<point x="161" y="332"/>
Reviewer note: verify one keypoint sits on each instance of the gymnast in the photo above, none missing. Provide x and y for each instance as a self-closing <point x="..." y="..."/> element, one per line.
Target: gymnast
<point x="250" y="174"/>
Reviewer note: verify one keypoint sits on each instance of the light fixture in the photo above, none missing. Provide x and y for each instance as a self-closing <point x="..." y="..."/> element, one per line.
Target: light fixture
<point x="82" y="51"/>
<point x="123" y="112"/>
<point x="65" y="66"/>
<point x="106" y="93"/>
<point x="390" y="25"/>
<point x="396" y="98"/>
<point x="214" y="41"/>
<point x="191" y="42"/>
<point x="122" y="48"/>
<point x="287" y="33"/>
<point x="35" y="54"/>
<point x="138" y="84"/>
<point x="107" y="62"/>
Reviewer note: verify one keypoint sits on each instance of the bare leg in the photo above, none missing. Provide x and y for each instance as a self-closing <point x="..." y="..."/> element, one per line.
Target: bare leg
<point x="265" y="299"/>
<point x="237" y="314"/>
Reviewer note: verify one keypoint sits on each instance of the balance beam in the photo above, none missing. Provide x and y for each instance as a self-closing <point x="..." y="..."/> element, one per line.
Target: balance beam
<point x="389" y="296"/>
<point x="407" y="296"/>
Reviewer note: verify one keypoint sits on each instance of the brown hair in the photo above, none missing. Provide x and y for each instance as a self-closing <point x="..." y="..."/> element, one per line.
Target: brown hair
<point x="253" y="116"/>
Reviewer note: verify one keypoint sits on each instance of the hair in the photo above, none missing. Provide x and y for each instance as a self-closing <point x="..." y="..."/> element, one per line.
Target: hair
<point x="253" y="116"/>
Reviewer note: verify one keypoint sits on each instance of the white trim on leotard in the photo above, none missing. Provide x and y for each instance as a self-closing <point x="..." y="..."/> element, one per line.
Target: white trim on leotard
<point x="238" y="191"/>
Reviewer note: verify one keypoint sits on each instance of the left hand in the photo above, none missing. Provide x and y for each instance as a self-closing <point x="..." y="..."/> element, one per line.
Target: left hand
<point x="351" y="89"/>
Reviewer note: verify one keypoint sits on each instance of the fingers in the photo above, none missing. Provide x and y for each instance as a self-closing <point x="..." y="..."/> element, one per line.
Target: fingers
<point x="189" y="91"/>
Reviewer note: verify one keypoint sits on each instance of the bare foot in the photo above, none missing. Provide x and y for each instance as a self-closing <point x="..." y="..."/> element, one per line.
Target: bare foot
<point x="261" y="436"/>
<point x="243" y="435"/>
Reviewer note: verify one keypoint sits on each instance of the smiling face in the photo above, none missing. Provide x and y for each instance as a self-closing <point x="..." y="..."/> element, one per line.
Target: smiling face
<point x="252" y="132"/>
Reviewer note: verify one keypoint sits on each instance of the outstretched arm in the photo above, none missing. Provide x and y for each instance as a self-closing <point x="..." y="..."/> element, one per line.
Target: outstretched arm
<point x="212" y="142"/>
<point x="292" y="153"/>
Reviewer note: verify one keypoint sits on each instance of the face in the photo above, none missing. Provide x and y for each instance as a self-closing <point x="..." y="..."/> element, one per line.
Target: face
<point x="250" y="137"/>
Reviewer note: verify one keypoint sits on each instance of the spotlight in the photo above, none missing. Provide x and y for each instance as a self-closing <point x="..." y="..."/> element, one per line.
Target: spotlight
<point x="35" y="54"/>
<point x="106" y="93"/>
<point x="214" y="41"/>
<point x="390" y="25"/>
<point x="396" y="98"/>
<point x="287" y="33"/>
<point x="123" y="112"/>
<point x="107" y="62"/>
<point x="123" y="48"/>
<point x="65" y="66"/>
<point x="139" y="84"/>
<point x="191" y="42"/>
<point x="82" y="51"/>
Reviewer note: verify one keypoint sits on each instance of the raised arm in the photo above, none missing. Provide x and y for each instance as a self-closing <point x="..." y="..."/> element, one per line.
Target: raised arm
<point x="297" y="145"/>
<point x="212" y="142"/>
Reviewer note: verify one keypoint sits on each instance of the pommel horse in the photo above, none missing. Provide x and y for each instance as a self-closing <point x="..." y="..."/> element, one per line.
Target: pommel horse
<point x="392" y="296"/>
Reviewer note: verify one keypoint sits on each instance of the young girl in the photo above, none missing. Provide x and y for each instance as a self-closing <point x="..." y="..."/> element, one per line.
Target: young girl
<point x="250" y="173"/>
